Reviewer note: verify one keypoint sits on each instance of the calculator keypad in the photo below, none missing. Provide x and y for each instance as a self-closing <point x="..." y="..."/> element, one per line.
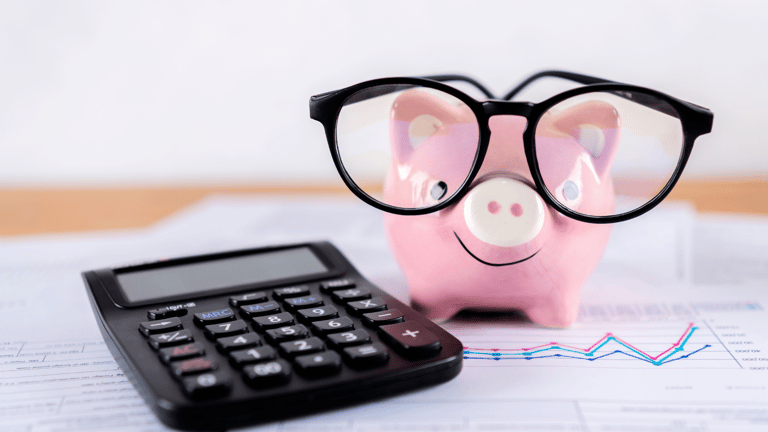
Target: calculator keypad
<point x="292" y="329"/>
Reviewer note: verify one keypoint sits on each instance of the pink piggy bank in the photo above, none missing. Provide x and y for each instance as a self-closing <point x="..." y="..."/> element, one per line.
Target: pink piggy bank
<point x="500" y="246"/>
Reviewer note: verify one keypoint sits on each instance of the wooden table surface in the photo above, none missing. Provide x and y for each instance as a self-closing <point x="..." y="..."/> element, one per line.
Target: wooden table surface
<point x="35" y="211"/>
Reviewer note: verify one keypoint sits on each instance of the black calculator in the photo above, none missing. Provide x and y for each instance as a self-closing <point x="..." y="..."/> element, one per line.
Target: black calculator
<point x="236" y="338"/>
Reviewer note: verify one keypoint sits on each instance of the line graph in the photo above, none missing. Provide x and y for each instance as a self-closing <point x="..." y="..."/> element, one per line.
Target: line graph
<point x="609" y="344"/>
<point x="665" y="356"/>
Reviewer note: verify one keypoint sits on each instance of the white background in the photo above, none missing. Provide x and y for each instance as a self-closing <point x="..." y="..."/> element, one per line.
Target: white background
<point x="177" y="92"/>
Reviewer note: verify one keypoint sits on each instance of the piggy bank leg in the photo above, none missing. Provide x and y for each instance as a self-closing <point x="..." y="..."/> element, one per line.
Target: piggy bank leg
<point x="559" y="310"/>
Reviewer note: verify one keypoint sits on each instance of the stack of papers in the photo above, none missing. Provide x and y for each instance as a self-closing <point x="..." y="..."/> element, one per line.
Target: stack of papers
<point x="672" y="332"/>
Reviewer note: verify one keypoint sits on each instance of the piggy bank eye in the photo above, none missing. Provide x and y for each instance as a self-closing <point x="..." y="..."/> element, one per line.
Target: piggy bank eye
<point x="436" y="191"/>
<point x="569" y="193"/>
<point x="570" y="190"/>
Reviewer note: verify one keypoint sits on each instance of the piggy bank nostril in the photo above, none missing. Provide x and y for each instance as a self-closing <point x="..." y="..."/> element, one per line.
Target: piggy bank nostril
<point x="516" y="209"/>
<point x="494" y="207"/>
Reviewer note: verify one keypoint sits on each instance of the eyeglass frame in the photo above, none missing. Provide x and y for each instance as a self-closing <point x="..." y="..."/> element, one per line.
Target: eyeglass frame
<point x="695" y="121"/>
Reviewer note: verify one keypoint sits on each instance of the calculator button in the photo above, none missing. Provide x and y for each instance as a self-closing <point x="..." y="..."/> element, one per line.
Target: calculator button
<point x="334" y="325"/>
<point x="178" y="337"/>
<point x="192" y="366"/>
<point x="365" y="306"/>
<point x="207" y="385"/>
<point x="265" y="323"/>
<point x="163" y="313"/>
<point x="297" y="303"/>
<point x="336" y="285"/>
<point x="362" y="356"/>
<point x="246" y="299"/>
<point x="171" y="354"/>
<point x="349" y="338"/>
<point x="153" y="327"/>
<point x="247" y="340"/>
<point x="410" y="338"/>
<point x="302" y="346"/>
<point x="283" y="334"/>
<point x="260" y="309"/>
<point x="324" y="363"/>
<point x="240" y="358"/>
<point x="318" y="313"/>
<point x="288" y="292"/>
<point x="352" y="294"/>
<point x="213" y="317"/>
<point x="268" y="373"/>
<point x="216" y="331"/>
<point x="375" y="319"/>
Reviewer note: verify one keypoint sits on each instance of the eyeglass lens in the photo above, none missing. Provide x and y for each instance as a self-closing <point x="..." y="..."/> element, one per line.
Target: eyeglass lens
<point x="407" y="146"/>
<point x="608" y="153"/>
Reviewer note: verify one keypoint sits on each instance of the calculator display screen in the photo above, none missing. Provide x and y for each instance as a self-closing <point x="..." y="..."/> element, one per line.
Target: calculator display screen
<point x="159" y="283"/>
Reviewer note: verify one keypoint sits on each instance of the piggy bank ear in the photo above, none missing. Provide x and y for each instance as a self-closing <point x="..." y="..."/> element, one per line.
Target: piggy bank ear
<point x="418" y="116"/>
<point x="595" y="125"/>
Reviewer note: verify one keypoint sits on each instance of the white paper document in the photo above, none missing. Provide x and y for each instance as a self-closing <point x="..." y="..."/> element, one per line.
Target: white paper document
<point x="672" y="332"/>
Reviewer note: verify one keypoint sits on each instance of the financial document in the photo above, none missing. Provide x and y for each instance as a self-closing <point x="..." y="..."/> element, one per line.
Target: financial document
<point x="672" y="331"/>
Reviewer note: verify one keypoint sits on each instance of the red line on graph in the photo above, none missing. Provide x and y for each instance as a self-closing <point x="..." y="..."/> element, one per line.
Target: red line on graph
<point x="600" y="341"/>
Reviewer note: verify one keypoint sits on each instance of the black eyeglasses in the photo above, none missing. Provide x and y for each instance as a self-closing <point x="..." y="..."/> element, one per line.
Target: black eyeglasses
<point x="413" y="146"/>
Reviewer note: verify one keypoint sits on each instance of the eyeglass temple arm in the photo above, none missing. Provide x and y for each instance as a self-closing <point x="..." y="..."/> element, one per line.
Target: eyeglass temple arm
<point x="579" y="78"/>
<point x="463" y="78"/>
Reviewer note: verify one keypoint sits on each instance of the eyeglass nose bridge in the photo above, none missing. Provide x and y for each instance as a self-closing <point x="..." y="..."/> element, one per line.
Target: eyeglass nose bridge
<point x="497" y="107"/>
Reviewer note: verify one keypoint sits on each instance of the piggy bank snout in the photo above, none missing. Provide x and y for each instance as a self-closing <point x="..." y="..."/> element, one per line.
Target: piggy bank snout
<point x="504" y="212"/>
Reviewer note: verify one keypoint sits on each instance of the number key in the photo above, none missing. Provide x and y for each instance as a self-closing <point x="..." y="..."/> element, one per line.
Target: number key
<point x="334" y="325"/>
<point x="254" y="355"/>
<point x="350" y="338"/>
<point x="318" y="313"/>
<point x="246" y="340"/>
<point x="265" y="323"/>
<point x="283" y="334"/>
<point x="268" y="373"/>
<point x="216" y="331"/>
<point x="302" y="346"/>
<point x="207" y="385"/>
